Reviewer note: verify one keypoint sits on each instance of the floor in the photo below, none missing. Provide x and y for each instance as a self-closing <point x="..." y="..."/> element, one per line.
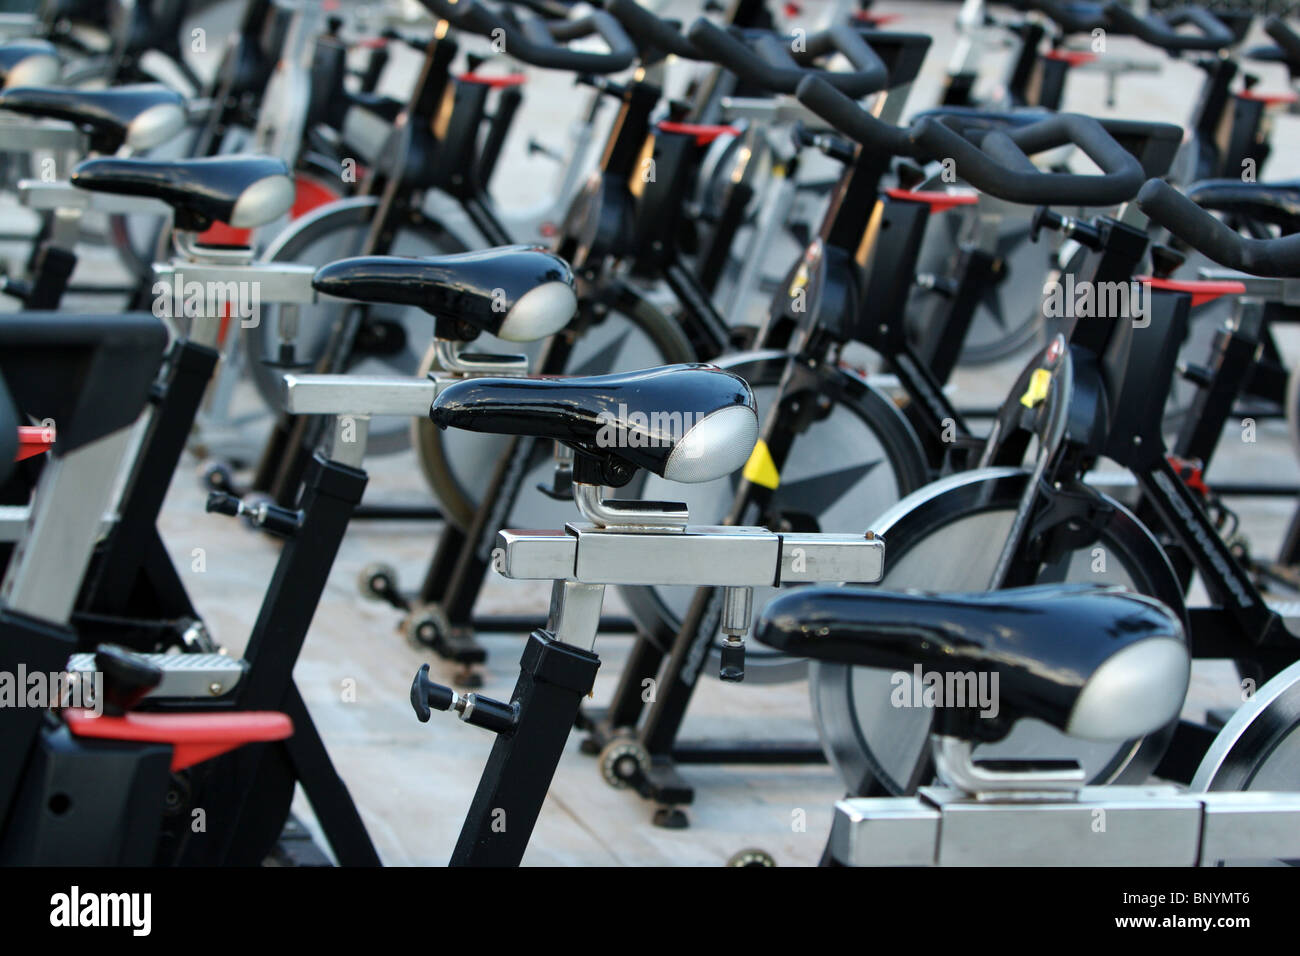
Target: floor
<point x="412" y="781"/>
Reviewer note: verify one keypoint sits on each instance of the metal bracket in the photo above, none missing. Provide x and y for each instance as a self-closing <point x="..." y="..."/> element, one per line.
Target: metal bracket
<point x="698" y="555"/>
<point x="359" y="394"/>
<point x="61" y="194"/>
<point x="1286" y="291"/>
<point x="22" y="134"/>
<point x="279" y="283"/>
<point x="1103" y="826"/>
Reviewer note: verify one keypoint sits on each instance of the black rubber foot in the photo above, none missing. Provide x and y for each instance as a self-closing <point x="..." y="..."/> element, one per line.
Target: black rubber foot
<point x="671" y="818"/>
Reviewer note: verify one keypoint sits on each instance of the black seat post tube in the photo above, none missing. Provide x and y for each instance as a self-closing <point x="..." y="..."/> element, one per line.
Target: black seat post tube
<point x="133" y="565"/>
<point x="1026" y="62"/>
<point x="1207" y="117"/>
<point x="557" y="671"/>
<point x="1233" y="360"/>
<point x="221" y="93"/>
<point x="294" y="438"/>
<point x="1243" y="144"/>
<point x="458" y="168"/>
<point x="498" y="129"/>
<point x="1050" y="82"/>
<point x="888" y="252"/>
<point x="660" y="213"/>
<point x="977" y="272"/>
<point x="1120" y="252"/>
<point x="333" y="491"/>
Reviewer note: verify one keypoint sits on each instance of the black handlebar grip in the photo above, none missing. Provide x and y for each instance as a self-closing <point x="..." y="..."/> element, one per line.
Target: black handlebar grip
<point x="771" y="63"/>
<point x="1279" y="258"/>
<point x="1285" y="38"/>
<point x="650" y="31"/>
<point x="853" y="121"/>
<point x="869" y="71"/>
<point x="1071" y="18"/>
<point x="1000" y="165"/>
<point x="539" y="42"/>
<point x="1161" y="31"/>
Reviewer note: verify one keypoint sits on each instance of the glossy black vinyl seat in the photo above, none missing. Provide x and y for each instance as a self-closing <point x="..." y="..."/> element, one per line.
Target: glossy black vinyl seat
<point x="684" y="422"/>
<point x="242" y="191"/>
<point x="519" y="293"/>
<point x="28" y="63"/>
<point x="1097" y="663"/>
<point x="141" y="116"/>
<point x="1274" y="203"/>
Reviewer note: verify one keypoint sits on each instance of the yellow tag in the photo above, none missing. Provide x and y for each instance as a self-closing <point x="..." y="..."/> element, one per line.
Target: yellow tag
<point x="1039" y="383"/>
<point x="760" y="469"/>
<point x="800" y="280"/>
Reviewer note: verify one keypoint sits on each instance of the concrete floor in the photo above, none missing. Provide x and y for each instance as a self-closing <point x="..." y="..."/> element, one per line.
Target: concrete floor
<point x="414" y="781"/>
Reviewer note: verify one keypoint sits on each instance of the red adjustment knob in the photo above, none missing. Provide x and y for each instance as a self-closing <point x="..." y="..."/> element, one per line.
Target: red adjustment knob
<point x="876" y="19"/>
<point x="1192" y="473"/>
<point x="194" y="738"/>
<point x="1071" y="57"/>
<point x="1284" y="98"/>
<point x="937" y="201"/>
<point x="495" y="82"/>
<point x="1202" y="290"/>
<point x="34" y="440"/>
<point x="704" y="133"/>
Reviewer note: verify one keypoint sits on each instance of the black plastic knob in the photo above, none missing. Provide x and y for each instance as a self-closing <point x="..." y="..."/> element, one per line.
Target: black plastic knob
<point x="127" y="678"/>
<point x="1044" y="218"/>
<point x="1165" y="261"/>
<point x="223" y="503"/>
<point x="426" y="696"/>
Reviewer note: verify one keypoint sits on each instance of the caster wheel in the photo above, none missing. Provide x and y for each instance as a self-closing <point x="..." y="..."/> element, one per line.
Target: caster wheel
<point x="600" y="736"/>
<point x="377" y="581"/>
<point x="752" y="857"/>
<point x="671" y="818"/>
<point x="217" y="476"/>
<point x="467" y="677"/>
<point x="623" y="762"/>
<point x="427" y="628"/>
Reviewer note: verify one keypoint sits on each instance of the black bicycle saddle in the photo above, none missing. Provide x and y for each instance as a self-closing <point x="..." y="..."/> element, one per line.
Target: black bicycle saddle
<point x="683" y="422"/>
<point x="242" y="191"/>
<point x="519" y="293"/>
<point x="141" y="116"/>
<point x="1096" y="663"/>
<point x="28" y="63"/>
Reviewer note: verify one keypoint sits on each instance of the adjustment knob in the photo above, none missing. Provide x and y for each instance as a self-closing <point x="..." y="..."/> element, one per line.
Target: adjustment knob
<point x="1165" y="261"/>
<point x="220" y="502"/>
<point x="1044" y="218"/>
<point x="910" y="175"/>
<point x="127" y="678"/>
<point x="426" y="696"/>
